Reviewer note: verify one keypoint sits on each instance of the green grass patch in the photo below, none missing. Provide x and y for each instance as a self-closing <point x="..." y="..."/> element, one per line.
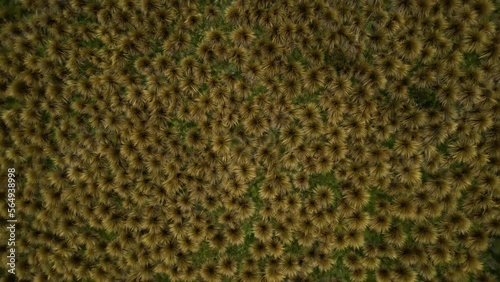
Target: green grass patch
<point x="389" y="143"/>
<point x="368" y="55"/>
<point x="296" y="55"/>
<point x="442" y="148"/>
<point x="471" y="60"/>
<point x="307" y="97"/>
<point x="294" y="248"/>
<point x="376" y="195"/>
<point x="424" y="98"/>
<point x="49" y="164"/>
<point x="108" y="236"/>
<point x="253" y="191"/>
<point x="94" y="44"/>
<point x="10" y="103"/>
<point x="327" y="179"/>
<point x="161" y="277"/>
<point x="204" y="254"/>
<point x="425" y="176"/>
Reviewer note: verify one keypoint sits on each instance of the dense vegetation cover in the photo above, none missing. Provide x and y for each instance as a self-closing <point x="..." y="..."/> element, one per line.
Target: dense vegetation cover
<point x="174" y="140"/>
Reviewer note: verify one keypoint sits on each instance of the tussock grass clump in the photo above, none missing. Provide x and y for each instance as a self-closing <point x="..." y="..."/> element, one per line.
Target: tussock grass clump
<point x="283" y="140"/>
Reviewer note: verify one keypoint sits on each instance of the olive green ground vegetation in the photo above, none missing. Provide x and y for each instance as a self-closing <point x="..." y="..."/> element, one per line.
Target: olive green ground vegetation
<point x="266" y="140"/>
